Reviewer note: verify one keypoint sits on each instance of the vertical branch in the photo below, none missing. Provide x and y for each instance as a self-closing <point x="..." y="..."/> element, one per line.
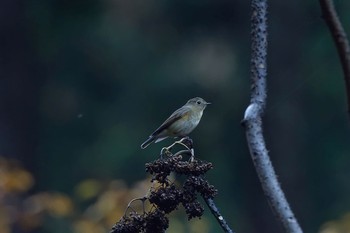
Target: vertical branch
<point x="253" y="123"/>
<point x="340" y="39"/>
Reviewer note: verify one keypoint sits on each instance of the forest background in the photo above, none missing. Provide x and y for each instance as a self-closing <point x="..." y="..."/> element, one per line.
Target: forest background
<point x="83" y="84"/>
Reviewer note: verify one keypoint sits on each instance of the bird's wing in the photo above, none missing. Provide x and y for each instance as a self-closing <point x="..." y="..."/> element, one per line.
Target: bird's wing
<point x="181" y="112"/>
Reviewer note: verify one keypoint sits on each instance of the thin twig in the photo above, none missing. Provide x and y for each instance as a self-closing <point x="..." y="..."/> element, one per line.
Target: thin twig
<point x="215" y="211"/>
<point x="340" y="39"/>
<point x="253" y="123"/>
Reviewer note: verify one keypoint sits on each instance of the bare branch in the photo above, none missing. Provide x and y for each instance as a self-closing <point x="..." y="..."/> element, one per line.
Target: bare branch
<point x="253" y="124"/>
<point x="340" y="39"/>
<point x="215" y="211"/>
<point x="168" y="195"/>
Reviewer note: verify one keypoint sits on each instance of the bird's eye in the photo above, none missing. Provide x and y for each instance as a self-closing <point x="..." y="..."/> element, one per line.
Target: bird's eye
<point x="198" y="102"/>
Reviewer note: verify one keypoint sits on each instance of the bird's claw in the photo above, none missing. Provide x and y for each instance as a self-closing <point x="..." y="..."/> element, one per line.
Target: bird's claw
<point x="165" y="151"/>
<point x="185" y="142"/>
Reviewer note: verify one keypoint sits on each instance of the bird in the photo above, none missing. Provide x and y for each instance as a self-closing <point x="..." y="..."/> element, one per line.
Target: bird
<point x="181" y="123"/>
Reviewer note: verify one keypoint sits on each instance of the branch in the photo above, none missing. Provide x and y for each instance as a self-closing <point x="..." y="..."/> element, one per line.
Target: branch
<point x="215" y="211"/>
<point x="253" y="124"/>
<point x="340" y="39"/>
<point x="166" y="194"/>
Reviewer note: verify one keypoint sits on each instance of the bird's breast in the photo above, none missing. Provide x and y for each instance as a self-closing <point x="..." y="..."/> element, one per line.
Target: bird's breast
<point x="187" y="124"/>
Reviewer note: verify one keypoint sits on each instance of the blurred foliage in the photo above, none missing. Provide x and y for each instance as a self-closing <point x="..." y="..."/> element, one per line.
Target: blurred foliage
<point x="341" y="225"/>
<point x="93" y="208"/>
<point x="83" y="83"/>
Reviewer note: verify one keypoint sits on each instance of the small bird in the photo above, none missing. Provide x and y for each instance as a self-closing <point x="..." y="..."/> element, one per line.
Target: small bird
<point x="181" y="123"/>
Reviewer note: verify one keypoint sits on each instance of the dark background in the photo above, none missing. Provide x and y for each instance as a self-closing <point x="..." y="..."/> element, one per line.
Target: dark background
<point x="83" y="84"/>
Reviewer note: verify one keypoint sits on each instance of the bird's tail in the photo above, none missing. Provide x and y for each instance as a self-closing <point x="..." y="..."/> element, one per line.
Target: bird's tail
<point x="147" y="142"/>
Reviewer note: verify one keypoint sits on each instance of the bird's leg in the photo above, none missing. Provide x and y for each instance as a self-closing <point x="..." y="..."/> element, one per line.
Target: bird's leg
<point x="167" y="149"/>
<point x="192" y="155"/>
<point x="188" y="143"/>
<point x="185" y="142"/>
<point x="182" y="142"/>
<point x="190" y="149"/>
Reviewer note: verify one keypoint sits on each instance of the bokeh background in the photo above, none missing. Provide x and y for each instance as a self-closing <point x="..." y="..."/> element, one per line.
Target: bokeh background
<point x="83" y="83"/>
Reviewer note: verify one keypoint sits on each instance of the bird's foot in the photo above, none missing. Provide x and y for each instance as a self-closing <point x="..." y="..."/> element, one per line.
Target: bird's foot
<point x="165" y="151"/>
<point x="185" y="142"/>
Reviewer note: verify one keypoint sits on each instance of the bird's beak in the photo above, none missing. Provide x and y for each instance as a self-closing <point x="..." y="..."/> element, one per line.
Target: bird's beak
<point x="207" y="103"/>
